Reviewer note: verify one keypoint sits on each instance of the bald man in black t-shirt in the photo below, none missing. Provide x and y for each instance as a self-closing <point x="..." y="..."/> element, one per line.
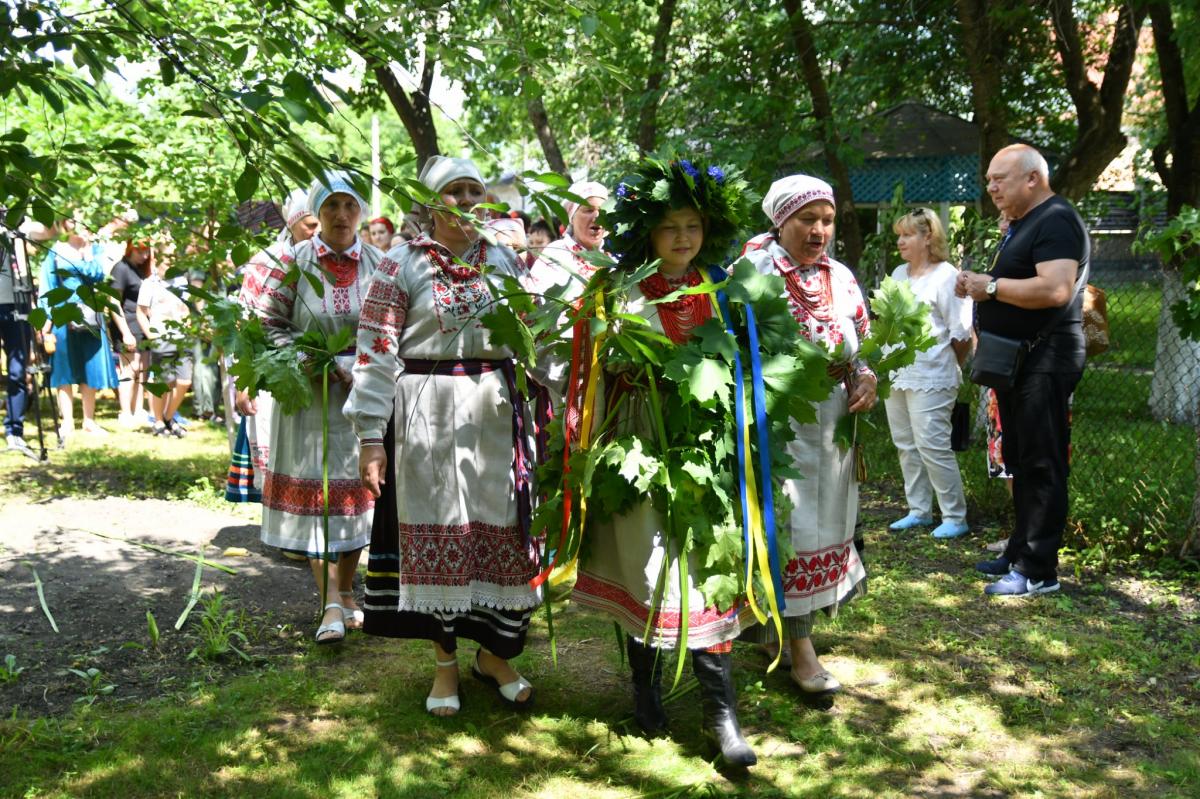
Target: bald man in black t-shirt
<point x="1033" y="293"/>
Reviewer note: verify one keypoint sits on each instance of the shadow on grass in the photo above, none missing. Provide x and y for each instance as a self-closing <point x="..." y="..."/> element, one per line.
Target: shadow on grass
<point x="947" y="695"/>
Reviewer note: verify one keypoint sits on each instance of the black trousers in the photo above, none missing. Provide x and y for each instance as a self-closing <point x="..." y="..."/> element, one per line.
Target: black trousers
<point x="1036" y="438"/>
<point x="14" y="339"/>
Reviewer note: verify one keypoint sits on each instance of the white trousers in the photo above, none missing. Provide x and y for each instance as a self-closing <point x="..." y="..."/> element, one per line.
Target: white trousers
<point x="920" y="423"/>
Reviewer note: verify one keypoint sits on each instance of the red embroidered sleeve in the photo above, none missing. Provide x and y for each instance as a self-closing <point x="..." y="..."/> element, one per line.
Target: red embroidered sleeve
<point x="380" y="327"/>
<point x="862" y="323"/>
<point x="275" y="302"/>
<point x="384" y="309"/>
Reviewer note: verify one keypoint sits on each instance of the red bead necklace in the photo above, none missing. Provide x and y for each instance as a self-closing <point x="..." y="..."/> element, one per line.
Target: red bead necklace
<point x="458" y="271"/>
<point x="816" y="303"/>
<point x="679" y="316"/>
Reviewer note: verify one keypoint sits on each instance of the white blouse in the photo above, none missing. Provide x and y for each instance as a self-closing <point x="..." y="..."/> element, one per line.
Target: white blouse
<point x="422" y="305"/>
<point x="950" y="318"/>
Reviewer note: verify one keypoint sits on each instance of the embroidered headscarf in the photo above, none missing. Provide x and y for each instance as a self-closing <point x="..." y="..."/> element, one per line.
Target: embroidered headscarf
<point x="586" y="190"/>
<point x="441" y="170"/>
<point x="788" y="195"/>
<point x="339" y="183"/>
<point x="295" y="208"/>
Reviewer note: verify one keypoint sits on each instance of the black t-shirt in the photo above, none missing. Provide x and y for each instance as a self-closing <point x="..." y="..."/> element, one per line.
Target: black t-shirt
<point x="1051" y="231"/>
<point x="126" y="280"/>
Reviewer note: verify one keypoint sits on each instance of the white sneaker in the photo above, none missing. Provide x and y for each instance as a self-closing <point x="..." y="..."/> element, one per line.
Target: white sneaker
<point x="17" y="444"/>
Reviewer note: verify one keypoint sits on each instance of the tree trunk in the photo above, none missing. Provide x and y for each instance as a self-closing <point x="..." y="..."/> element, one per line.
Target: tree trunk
<point x="849" y="231"/>
<point x="647" y="130"/>
<point x="1175" y="388"/>
<point x="541" y="126"/>
<point x="1177" y="159"/>
<point x="984" y="45"/>
<point x="1098" y="109"/>
<point x="415" y="111"/>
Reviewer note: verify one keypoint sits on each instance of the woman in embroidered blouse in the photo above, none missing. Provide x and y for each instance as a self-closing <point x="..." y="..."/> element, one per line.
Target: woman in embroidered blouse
<point x="620" y="570"/>
<point x="923" y="394"/>
<point x="826" y="571"/>
<point x="451" y="555"/>
<point x="248" y="466"/>
<point x="291" y="493"/>
<point x="561" y="262"/>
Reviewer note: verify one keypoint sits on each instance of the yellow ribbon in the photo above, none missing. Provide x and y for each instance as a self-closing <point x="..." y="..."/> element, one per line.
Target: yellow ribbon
<point x="757" y="551"/>
<point x="567" y="571"/>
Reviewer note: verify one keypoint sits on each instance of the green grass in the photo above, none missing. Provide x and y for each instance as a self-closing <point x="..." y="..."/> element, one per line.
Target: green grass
<point x="126" y="463"/>
<point x="1091" y="693"/>
<point x="1133" y="310"/>
<point x="1133" y="478"/>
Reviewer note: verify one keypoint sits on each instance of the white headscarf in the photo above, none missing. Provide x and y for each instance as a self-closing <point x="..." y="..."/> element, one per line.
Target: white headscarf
<point x="295" y="207"/>
<point x="586" y="190"/>
<point x="339" y="183"/>
<point x="440" y="170"/>
<point x="788" y="195"/>
<point x="506" y="225"/>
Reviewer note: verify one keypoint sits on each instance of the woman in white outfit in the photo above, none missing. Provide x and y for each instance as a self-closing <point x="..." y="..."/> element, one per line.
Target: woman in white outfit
<point x="451" y="556"/>
<point x="826" y="571"/>
<point x="923" y="394"/>
<point x="340" y="263"/>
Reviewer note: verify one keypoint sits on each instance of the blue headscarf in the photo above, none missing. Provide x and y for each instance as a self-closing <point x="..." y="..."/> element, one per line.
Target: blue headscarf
<point x="339" y="183"/>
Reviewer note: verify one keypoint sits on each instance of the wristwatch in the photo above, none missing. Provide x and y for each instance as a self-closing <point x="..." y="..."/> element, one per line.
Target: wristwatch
<point x="991" y="288"/>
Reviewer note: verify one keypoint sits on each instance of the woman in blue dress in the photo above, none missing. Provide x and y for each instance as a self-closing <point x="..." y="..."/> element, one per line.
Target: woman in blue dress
<point x="81" y="351"/>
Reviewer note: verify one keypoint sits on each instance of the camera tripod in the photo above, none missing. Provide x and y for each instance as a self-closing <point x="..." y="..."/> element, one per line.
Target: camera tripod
<point x="37" y="361"/>
<point x="39" y="367"/>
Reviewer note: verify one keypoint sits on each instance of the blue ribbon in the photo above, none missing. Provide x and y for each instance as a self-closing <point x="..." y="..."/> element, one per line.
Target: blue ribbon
<point x="764" y="454"/>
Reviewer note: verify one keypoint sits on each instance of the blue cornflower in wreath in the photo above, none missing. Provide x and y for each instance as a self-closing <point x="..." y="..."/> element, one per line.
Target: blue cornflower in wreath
<point x="660" y="184"/>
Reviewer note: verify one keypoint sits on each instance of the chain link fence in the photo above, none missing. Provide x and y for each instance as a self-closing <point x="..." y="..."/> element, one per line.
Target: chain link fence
<point x="1134" y="424"/>
<point x="1133" y="473"/>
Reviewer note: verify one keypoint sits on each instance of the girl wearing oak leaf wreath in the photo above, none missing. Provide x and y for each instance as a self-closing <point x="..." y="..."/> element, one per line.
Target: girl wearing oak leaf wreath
<point x="619" y="572"/>
<point x="451" y="555"/>
<point x="825" y="299"/>
<point x="292" y="487"/>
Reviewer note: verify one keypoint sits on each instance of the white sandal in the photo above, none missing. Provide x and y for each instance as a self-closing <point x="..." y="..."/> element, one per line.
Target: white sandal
<point x="509" y="691"/>
<point x="433" y="703"/>
<point x="338" y="627"/>
<point x="354" y="616"/>
<point x="822" y="683"/>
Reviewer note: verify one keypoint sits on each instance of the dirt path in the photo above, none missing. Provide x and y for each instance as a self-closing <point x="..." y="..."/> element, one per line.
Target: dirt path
<point x="99" y="590"/>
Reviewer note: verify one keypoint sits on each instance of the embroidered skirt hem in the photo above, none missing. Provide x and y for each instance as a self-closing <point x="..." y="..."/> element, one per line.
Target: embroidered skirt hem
<point x="801" y="626"/>
<point x="292" y="493"/>
<point x="707" y="626"/>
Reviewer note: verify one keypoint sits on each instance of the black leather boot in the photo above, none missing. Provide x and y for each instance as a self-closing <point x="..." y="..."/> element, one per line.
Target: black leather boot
<point x="715" y="675"/>
<point x="646" y="664"/>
